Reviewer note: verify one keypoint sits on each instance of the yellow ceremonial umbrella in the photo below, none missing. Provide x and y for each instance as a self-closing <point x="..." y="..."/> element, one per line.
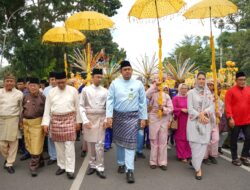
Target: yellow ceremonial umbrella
<point x="64" y="36"/>
<point x="155" y="9"/>
<point x="89" y="20"/>
<point x="212" y="9"/>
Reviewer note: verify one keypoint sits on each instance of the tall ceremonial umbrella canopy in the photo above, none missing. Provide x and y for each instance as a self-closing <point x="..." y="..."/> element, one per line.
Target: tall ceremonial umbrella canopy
<point x="63" y="36"/>
<point x="92" y="21"/>
<point x="212" y="9"/>
<point x="156" y="9"/>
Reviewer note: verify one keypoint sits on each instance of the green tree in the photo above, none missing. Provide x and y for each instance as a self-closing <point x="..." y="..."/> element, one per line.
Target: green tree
<point x="241" y="19"/>
<point x="24" y="50"/>
<point x="196" y="49"/>
<point x="237" y="48"/>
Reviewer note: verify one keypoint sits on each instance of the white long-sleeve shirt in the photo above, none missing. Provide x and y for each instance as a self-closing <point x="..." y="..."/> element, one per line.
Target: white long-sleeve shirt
<point x="92" y="100"/>
<point x="61" y="102"/>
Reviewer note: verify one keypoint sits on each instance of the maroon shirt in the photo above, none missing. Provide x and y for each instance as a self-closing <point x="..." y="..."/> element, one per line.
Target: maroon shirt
<point x="33" y="106"/>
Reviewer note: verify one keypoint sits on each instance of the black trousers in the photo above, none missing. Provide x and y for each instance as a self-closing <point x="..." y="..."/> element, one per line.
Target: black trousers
<point x="234" y="139"/>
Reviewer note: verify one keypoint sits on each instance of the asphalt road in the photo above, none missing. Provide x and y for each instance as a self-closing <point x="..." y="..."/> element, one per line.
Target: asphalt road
<point x="179" y="176"/>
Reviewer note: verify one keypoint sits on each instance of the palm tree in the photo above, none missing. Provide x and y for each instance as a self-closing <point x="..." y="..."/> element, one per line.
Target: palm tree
<point x="180" y="70"/>
<point x="146" y="67"/>
<point x="79" y="59"/>
<point x="111" y="71"/>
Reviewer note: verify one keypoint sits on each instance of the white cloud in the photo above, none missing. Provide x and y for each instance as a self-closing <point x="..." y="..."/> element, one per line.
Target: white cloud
<point x="140" y="38"/>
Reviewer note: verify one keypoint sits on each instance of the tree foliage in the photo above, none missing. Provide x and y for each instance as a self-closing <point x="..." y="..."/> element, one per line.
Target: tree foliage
<point x="24" y="50"/>
<point x="196" y="49"/>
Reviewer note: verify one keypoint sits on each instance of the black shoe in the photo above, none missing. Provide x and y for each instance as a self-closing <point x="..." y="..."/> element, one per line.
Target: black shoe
<point x="10" y="169"/>
<point x="25" y="157"/>
<point x="33" y="173"/>
<point x="237" y="162"/>
<point x="60" y="171"/>
<point x="245" y="161"/>
<point x="220" y="150"/>
<point x="130" y="176"/>
<point x="153" y="167"/>
<point x="50" y="162"/>
<point x="206" y="161"/>
<point x="83" y="154"/>
<point x="140" y="155"/>
<point x="213" y="160"/>
<point x="198" y="177"/>
<point x="91" y="171"/>
<point x="70" y="175"/>
<point x="121" y="169"/>
<point x="164" y="168"/>
<point x="101" y="174"/>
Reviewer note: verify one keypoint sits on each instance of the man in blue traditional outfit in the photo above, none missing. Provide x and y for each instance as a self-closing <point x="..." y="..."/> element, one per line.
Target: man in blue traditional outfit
<point x="126" y="107"/>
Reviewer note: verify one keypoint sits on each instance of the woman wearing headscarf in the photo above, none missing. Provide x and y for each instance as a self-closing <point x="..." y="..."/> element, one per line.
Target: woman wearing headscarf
<point x="183" y="150"/>
<point x="158" y="126"/>
<point x="201" y="117"/>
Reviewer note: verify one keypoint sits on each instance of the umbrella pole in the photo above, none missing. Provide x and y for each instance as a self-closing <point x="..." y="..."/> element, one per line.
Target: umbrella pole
<point x="213" y="67"/>
<point x="88" y="64"/>
<point x="65" y="62"/>
<point x="160" y="65"/>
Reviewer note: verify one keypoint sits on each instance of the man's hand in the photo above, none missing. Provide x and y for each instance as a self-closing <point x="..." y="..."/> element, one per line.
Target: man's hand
<point x="78" y="127"/>
<point x="87" y="125"/>
<point x="110" y="122"/>
<point x="143" y="124"/>
<point x="46" y="129"/>
<point x="231" y="122"/>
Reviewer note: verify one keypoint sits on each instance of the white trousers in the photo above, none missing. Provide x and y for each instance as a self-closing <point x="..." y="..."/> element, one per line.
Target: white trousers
<point x="66" y="155"/>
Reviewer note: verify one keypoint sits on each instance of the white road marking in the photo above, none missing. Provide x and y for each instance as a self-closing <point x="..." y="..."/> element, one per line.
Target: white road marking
<point x="80" y="175"/>
<point x="230" y="160"/>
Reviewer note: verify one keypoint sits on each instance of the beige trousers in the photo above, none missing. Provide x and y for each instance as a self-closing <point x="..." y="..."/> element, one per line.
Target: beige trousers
<point x="9" y="151"/>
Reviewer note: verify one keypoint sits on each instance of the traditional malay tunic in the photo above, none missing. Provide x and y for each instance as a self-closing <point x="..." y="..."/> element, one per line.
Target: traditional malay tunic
<point x="158" y="126"/>
<point x="183" y="150"/>
<point x="62" y="115"/>
<point x="10" y="110"/>
<point x="92" y="110"/>
<point x="126" y="104"/>
<point x="198" y="134"/>
<point x="33" y="108"/>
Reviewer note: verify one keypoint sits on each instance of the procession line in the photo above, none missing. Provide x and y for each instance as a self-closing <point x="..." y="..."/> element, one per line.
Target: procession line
<point x="230" y="160"/>
<point x="80" y="175"/>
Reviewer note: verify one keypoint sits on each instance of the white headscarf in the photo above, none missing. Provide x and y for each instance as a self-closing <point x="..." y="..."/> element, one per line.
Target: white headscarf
<point x="179" y="89"/>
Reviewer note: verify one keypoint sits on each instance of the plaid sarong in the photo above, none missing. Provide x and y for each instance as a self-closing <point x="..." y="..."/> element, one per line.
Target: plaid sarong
<point x="63" y="127"/>
<point x="125" y="127"/>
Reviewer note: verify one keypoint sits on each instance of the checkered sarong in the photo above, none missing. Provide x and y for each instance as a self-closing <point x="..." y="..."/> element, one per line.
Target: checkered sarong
<point x="63" y="127"/>
<point x="125" y="128"/>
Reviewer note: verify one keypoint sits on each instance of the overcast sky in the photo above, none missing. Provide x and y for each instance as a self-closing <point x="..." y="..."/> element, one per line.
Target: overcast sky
<point x="140" y="38"/>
